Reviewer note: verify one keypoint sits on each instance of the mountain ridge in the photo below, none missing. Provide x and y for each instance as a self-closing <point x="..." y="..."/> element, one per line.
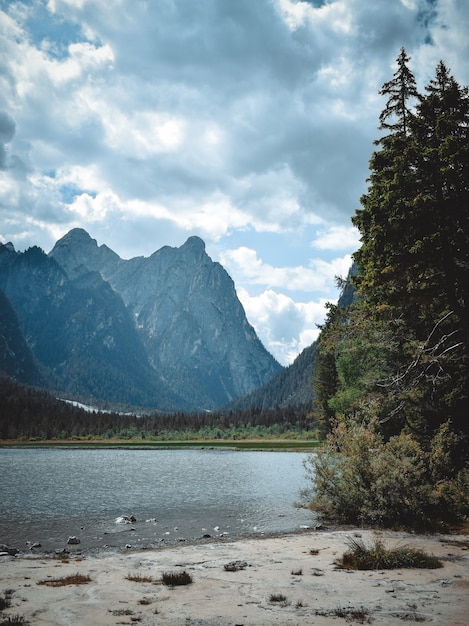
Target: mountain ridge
<point x="165" y="331"/>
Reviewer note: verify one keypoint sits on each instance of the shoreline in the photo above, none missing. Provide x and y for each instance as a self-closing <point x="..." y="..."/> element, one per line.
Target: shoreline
<point x="74" y="551"/>
<point x="254" y="445"/>
<point x="299" y="567"/>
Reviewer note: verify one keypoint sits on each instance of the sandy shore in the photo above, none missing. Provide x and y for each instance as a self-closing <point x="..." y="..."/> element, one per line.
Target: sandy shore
<point x="300" y="567"/>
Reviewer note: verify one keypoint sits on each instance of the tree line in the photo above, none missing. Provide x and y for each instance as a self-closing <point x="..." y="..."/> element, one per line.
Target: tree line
<point x="28" y="413"/>
<point x="392" y="368"/>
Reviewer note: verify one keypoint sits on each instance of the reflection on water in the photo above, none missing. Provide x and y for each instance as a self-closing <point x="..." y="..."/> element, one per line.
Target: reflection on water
<point x="46" y="495"/>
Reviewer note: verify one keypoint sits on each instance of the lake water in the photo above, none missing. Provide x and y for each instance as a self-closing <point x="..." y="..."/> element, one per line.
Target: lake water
<point x="47" y="495"/>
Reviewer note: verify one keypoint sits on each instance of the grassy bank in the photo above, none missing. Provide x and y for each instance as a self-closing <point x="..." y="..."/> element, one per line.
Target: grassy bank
<point x="144" y="444"/>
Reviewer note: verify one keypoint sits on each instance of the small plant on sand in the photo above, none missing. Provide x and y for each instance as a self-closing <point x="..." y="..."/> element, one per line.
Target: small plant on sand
<point x="136" y="578"/>
<point x="377" y="556"/>
<point x="412" y="617"/>
<point x="176" y="579"/>
<point x="121" y="612"/>
<point x="279" y="598"/>
<point x="5" y="601"/>
<point x="360" y="616"/>
<point x="19" y="620"/>
<point x="73" y="579"/>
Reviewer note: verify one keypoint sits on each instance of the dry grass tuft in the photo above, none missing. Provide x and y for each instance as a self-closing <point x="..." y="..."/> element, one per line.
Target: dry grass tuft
<point x="279" y="598"/>
<point x="136" y="578"/>
<point x="19" y="620"/>
<point x="176" y="579"/>
<point x="73" y="579"/>
<point x="359" y="616"/>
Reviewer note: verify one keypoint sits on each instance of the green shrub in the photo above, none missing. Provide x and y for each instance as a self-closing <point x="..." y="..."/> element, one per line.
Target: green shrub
<point x="359" y="478"/>
<point x="377" y="556"/>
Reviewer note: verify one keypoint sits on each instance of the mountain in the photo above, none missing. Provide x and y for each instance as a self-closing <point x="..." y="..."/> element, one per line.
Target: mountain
<point x="293" y="386"/>
<point x="187" y="313"/>
<point x="80" y="332"/>
<point x="290" y="387"/>
<point x="167" y="331"/>
<point x="16" y="358"/>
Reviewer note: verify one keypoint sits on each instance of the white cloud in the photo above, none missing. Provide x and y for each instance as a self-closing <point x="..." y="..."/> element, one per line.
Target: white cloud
<point x="285" y="326"/>
<point x="318" y="275"/>
<point x="337" y="238"/>
<point x="143" y="133"/>
<point x="249" y="123"/>
<point x="83" y="59"/>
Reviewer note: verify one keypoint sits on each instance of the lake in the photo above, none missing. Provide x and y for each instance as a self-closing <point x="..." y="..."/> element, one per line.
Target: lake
<point x="47" y="495"/>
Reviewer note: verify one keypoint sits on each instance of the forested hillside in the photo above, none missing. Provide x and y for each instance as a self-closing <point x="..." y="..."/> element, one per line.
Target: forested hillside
<point x="29" y="414"/>
<point x="291" y="387"/>
<point x="392" y="376"/>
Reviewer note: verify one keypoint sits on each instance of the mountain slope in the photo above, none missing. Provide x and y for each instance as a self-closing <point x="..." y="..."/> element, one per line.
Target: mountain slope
<point x="188" y="316"/>
<point x="294" y="385"/>
<point x="291" y="387"/>
<point x="16" y="358"/>
<point x="80" y="332"/>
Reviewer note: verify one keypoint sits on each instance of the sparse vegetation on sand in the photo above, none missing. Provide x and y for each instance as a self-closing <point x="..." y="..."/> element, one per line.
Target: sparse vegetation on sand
<point x="360" y="616"/>
<point x="73" y="579"/>
<point x="19" y="620"/>
<point x="376" y="556"/>
<point x="175" y="579"/>
<point x="5" y="601"/>
<point x="137" y="578"/>
<point x="279" y="598"/>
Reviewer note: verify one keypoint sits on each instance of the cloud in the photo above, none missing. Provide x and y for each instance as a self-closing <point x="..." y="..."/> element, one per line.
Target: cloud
<point x="319" y="275"/>
<point x="246" y="123"/>
<point x="336" y="238"/>
<point x="284" y="325"/>
<point x="7" y="132"/>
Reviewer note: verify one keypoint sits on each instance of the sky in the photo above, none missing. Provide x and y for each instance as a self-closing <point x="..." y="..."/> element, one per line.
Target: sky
<point x="249" y="123"/>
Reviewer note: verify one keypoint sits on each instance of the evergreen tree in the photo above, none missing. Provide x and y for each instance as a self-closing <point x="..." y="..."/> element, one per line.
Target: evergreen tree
<point x="441" y="131"/>
<point x="415" y="246"/>
<point x="392" y="188"/>
<point x="399" y="90"/>
<point x="400" y="371"/>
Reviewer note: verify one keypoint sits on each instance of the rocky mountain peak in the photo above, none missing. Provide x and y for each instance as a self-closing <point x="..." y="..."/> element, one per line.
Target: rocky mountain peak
<point x="79" y="235"/>
<point x="194" y="246"/>
<point x="7" y="249"/>
<point x="187" y="314"/>
<point x="77" y="252"/>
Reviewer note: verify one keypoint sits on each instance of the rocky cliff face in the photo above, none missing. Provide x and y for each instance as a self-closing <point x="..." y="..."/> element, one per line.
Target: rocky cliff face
<point x="80" y="332"/>
<point x="187" y="314"/>
<point x="16" y="358"/>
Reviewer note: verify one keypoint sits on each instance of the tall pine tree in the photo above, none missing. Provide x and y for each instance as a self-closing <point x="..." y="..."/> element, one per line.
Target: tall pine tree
<point x="415" y="244"/>
<point x="394" y="366"/>
<point x="392" y="188"/>
<point x="441" y="134"/>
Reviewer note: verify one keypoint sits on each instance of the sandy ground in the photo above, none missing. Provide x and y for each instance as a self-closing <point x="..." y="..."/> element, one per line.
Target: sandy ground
<point x="301" y="567"/>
